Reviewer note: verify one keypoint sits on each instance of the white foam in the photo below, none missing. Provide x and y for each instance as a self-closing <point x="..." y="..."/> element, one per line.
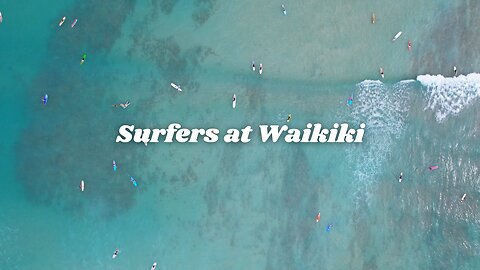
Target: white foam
<point x="449" y="96"/>
<point x="383" y="109"/>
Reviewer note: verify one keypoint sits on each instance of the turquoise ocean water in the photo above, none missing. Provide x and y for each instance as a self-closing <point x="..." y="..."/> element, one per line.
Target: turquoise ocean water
<point x="240" y="206"/>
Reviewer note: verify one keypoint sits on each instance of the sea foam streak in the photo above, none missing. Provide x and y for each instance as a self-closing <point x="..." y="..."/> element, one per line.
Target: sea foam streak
<point x="448" y="96"/>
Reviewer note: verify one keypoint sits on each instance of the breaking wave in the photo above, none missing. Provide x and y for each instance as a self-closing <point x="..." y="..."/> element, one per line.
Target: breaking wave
<point x="383" y="109"/>
<point x="449" y="96"/>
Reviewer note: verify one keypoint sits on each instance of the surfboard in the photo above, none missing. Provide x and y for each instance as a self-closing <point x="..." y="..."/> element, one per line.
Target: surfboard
<point x="253" y="65"/>
<point x="154" y="266"/>
<point x="317" y="219"/>
<point x="382" y="73"/>
<point x="1" y="17"/>
<point x="133" y="181"/>
<point x="284" y="10"/>
<point x="397" y="36"/>
<point x="260" y="69"/>
<point x="82" y="185"/>
<point x="115" y="254"/>
<point x="114" y="166"/>
<point x="45" y="99"/>
<point x="234" y="101"/>
<point x="374" y="18"/>
<point x="62" y="21"/>
<point x="176" y="87"/>
<point x="74" y="22"/>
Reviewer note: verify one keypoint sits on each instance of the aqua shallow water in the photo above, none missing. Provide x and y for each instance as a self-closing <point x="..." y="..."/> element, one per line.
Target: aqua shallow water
<point x="252" y="206"/>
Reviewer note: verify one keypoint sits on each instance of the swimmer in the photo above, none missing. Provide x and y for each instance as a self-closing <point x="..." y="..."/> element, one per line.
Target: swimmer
<point x="115" y="253"/>
<point x="253" y="65"/>
<point x="400" y="178"/>
<point x="83" y="58"/>
<point x="289" y="118"/>
<point x="62" y="21"/>
<point x="260" y="69"/>
<point x="454" y="71"/>
<point x="464" y="196"/>
<point x="381" y="73"/>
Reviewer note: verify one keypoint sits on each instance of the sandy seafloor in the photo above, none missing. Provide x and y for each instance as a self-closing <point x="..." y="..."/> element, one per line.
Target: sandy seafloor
<point x="239" y="206"/>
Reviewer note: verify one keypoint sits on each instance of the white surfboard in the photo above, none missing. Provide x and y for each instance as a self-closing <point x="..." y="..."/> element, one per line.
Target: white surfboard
<point x="381" y="73"/>
<point x="397" y="36"/>
<point x="154" y="266"/>
<point x="260" y="69"/>
<point x="253" y="65"/>
<point x="234" y="101"/>
<point x="176" y="87"/>
<point x="62" y="21"/>
<point x="82" y="185"/>
<point x="115" y="254"/>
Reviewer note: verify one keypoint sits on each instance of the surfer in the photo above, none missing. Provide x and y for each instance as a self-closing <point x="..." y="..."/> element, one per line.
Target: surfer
<point x="317" y="219"/>
<point x="464" y="196"/>
<point x="125" y="105"/>
<point x="374" y="18"/>
<point x="350" y="100"/>
<point x="253" y="65"/>
<point x="409" y="45"/>
<point x="83" y="58"/>
<point x="260" y="69"/>
<point x="289" y="118"/>
<point x="454" y="71"/>
<point x="284" y="10"/>
<point x="62" y="21"/>
<point x="154" y="266"/>
<point x="115" y="253"/>
<point x="74" y="22"/>
<point x="381" y="73"/>
<point x="134" y="182"/>
<point x="1" y="17"/>
<point x="400" y="178"/>
<point x="45" y="99"/>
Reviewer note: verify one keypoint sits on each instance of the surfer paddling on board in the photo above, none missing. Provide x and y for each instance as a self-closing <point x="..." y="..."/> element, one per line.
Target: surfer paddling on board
<point x="1" y="17"/>
<point x="284" y="9"/>
<point x="464" y="196"/>
<point x="400" y="178"/>
<point x="123" y="105"/>
<point x="454" y="71"/>
<point x="253" y="65"/>
<point x="382" y="73"/>
<point x="289" y="118"/>
<point x="260" y="69"/>
<point x="409" y="45"/>
<point x="62" y="21"/>
<point x="317" y="219"/>
<point x="115" y="254"/>
<point x="84" y="56"/>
